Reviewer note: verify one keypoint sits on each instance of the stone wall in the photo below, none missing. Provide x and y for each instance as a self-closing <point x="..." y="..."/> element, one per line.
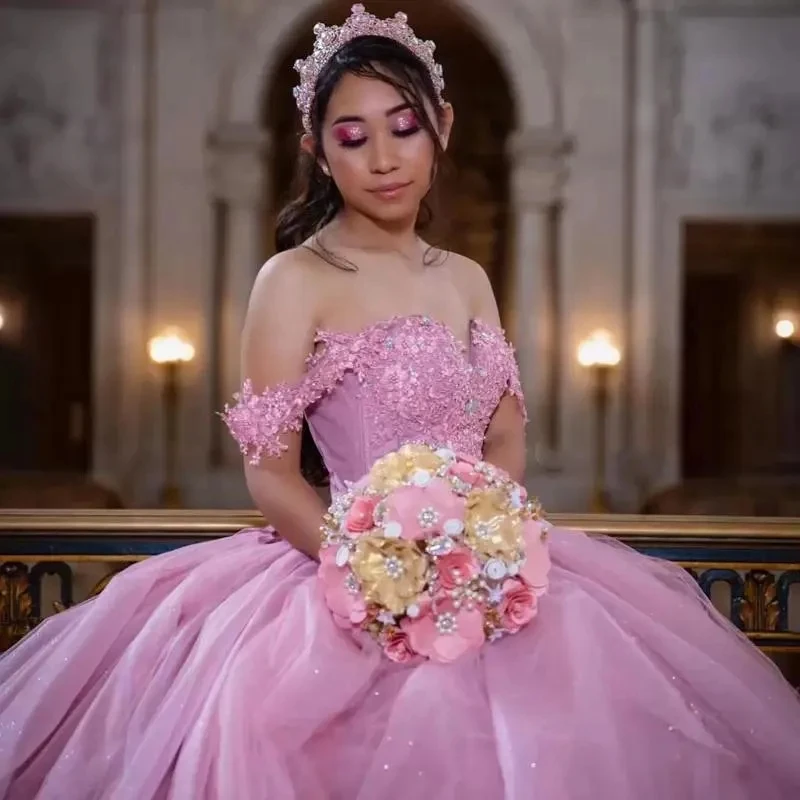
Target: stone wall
<point x="622" y="127"/>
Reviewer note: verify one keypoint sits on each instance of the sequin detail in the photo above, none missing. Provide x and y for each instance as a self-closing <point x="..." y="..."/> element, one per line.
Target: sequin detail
<point x="417" y="389"/>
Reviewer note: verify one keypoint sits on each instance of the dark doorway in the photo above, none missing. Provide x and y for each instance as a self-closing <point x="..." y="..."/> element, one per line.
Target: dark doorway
<point x="789" y="407"/>
<point x="46" y="343"/>
<point x="740" y="379"/>
<point x="711" y="342"/>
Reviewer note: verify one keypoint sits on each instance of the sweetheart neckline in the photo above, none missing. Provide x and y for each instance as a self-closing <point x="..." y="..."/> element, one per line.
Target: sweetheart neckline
<point x="322" y="334"/>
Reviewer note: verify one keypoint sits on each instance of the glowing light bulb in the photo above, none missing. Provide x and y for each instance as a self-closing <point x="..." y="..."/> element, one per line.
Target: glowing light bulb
<point x="170" y="347"/>
<point x="784" y="328"/>
<point x="599" y="350"/>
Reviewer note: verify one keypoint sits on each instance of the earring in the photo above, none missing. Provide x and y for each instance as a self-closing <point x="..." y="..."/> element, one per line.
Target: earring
<point x="325" y="170"/>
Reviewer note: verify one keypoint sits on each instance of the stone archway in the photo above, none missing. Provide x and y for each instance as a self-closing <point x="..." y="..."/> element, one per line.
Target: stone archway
<point x="242" y="151"/>
<point x="514" y="35"/>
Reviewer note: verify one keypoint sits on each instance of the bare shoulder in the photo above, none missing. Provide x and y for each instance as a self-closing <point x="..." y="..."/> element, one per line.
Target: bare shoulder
<point x="476" y="286"/>
<point x="282" y="318"/>
<point x="289" y="279"/>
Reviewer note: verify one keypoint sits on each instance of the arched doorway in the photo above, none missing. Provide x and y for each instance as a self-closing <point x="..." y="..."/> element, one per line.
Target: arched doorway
<point x="475" y="198"/>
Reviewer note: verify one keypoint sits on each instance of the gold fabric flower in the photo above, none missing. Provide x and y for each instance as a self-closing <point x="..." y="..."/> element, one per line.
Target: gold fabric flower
<point x="493" y="527"/>
<point x="392" y="572"/>
<point x="389" y="473"/>
<point x="422" y="457"/>
<point x="396" y="469"/>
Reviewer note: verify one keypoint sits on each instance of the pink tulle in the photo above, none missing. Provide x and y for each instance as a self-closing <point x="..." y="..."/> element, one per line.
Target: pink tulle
<point x="216" y="672"/>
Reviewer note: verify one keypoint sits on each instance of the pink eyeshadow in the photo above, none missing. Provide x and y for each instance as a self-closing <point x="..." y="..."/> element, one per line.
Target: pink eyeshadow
<point x="348" y="133"/>
<point x="407" y="120"/>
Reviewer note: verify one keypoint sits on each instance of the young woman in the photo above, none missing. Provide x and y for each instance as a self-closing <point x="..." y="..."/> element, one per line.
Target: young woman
<point x="217" y="672"/>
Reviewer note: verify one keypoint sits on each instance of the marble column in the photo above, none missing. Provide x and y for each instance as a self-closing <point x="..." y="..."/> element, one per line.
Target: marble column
<point x="538" y="173"/>
<point x="238" y="173"/>
<point x="644" y="455"/>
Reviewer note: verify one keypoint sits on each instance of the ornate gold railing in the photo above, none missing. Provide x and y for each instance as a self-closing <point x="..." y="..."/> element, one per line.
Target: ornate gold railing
<point x="758" y="559"/>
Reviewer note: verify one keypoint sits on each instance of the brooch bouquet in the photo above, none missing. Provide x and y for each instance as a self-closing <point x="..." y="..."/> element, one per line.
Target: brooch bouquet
<point x="433" y="555"/>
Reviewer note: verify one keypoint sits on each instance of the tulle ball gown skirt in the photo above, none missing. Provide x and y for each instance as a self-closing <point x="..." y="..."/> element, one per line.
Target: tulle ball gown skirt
<point x="216" y="672"/>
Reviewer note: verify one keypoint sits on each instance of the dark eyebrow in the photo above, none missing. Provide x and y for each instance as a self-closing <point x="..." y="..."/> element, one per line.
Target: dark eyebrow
<point x="389" y="113"/>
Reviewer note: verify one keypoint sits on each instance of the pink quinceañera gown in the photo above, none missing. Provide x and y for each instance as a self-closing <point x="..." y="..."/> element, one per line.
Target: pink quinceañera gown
<point x="216" y="671"/>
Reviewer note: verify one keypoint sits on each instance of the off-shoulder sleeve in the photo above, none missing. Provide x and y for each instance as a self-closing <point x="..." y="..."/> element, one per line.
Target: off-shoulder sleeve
<point x="499" y="360"/>
<point x="510" y="368"/>
<point x="513" y="384"/>
<point x="258" y="421"/>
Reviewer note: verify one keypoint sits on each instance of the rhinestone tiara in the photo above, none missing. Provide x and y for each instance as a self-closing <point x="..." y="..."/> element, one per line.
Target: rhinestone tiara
<point x="330" y="39"/>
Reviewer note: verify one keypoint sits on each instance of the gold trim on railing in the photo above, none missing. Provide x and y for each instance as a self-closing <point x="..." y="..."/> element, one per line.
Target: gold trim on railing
<point x="206" y="521"/>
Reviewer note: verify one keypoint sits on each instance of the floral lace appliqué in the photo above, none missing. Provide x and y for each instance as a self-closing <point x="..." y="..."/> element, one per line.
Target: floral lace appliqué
<point x="418" y="383"/>
<point x="257" y="421"/>
<point x="495" y="362"/>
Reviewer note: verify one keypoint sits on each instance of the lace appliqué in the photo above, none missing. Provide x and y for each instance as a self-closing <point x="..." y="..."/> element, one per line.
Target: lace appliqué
<point x="257" y="421"/>
<point x="496" y="363"/>
<point x="416" y="385"/>
<point x="419" y="383"/>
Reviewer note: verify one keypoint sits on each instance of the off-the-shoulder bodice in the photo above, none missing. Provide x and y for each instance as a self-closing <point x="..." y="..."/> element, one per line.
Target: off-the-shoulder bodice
<point x="364" y="394"/>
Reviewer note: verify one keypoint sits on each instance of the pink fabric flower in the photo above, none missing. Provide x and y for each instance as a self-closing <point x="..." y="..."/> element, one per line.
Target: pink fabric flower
<point x="465" y="471"/>
<point x="398" y="648"/>
<point x="348" y="609"/>
<point x="431" y="641"/>
<point x="537" y="557"/>
<point x="457" y="568"/>
<point x="421" y="511"/>
<point x="360" y="517"/>
<point x="518" y="606"/>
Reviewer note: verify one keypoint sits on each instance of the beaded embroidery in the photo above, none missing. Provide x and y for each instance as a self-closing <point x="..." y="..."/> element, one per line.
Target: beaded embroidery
<point x="418" y="383"/>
